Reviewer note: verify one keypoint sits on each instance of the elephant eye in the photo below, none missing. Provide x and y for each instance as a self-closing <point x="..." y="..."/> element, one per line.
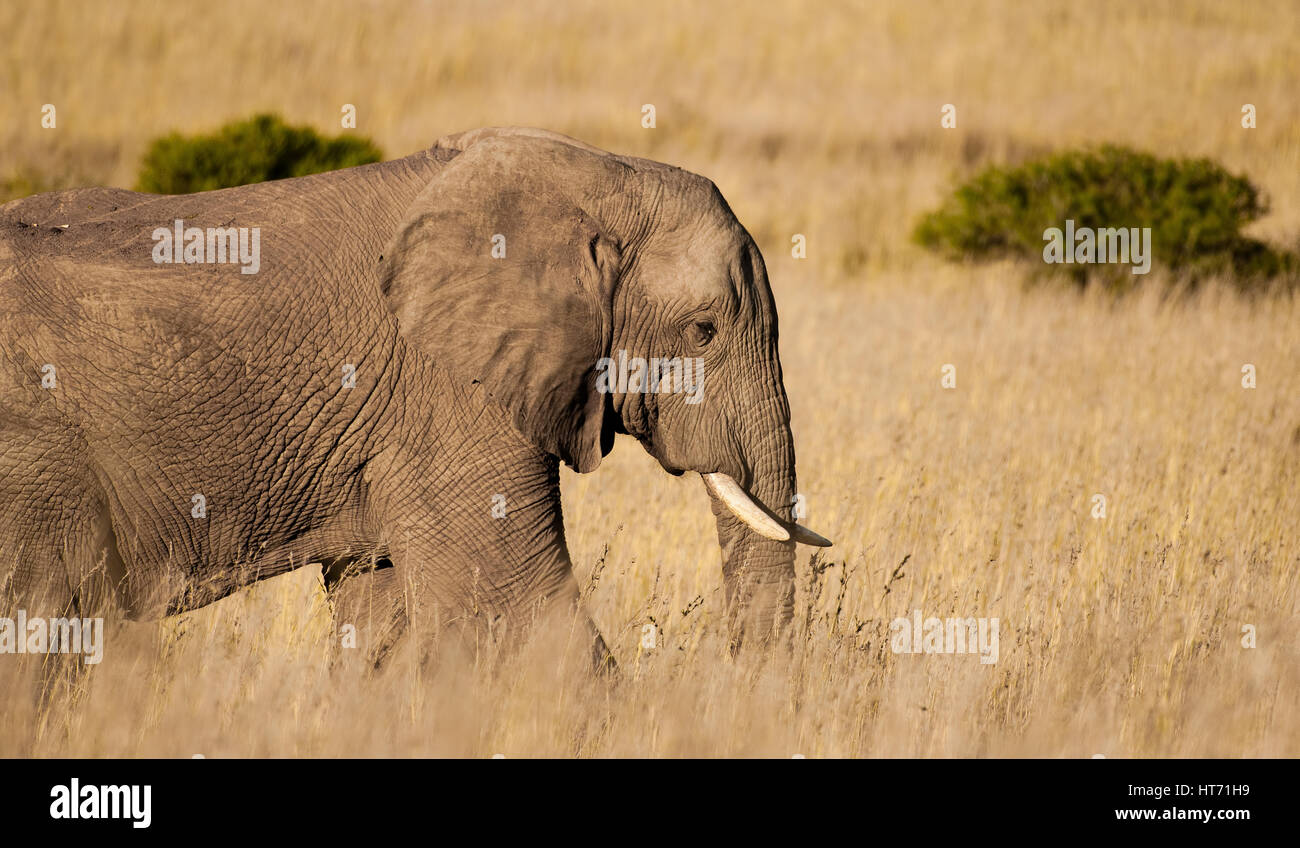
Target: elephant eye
<point x="702" y="332"/>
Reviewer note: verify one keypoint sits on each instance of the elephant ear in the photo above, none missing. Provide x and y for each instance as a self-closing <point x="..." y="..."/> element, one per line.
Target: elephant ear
<point x="503" y="277"/>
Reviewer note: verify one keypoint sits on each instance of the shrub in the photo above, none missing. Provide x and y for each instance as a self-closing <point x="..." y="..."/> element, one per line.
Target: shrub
<point x="252" y="151"/>
<point x="25" y="182"/>
<point x="1194" y="207"/>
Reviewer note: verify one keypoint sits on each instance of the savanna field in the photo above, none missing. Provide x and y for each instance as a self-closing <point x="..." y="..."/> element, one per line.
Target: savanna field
<point x="1123" y="634"/>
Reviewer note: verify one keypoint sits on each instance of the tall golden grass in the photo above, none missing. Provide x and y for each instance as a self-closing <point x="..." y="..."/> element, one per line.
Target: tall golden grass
<point x="1120" y="635"/>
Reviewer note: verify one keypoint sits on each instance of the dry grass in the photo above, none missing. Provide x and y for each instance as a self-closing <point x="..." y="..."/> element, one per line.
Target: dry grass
<point x="1119" y="635"/>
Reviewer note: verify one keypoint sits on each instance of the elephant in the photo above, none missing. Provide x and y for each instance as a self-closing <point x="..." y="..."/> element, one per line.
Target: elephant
<point x="386" y="389"/>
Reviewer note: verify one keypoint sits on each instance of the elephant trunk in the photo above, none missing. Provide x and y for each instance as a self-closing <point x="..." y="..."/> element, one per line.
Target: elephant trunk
<point x="758" y="570"/>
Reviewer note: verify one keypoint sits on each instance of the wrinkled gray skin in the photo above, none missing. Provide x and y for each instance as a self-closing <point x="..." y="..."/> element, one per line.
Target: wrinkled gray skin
<point x="474" y="378"/>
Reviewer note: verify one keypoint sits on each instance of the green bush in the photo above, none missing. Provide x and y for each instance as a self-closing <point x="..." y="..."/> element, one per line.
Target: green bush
<point x="252" y="151"/>
<point x="1195" y="210"/>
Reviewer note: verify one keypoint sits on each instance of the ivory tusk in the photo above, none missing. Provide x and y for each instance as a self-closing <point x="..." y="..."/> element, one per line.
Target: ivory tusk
<point x="755" y="517"/>
<point x="804" y="536"/>
<point x="741" y="506"/>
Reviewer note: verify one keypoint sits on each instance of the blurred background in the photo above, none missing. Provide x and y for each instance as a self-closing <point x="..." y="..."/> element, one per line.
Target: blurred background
<point x="817" y="121"/>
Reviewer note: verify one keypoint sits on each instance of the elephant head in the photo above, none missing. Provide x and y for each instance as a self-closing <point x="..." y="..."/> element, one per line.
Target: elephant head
<point x="594" y="294"/>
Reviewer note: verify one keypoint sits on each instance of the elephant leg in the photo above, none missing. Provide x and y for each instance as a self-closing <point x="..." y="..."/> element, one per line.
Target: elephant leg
<point x="377" y="615"/>
<point x="586" y="632"/>
<point x="602" y="660"/>
<point x="60" y="571"/>
<point x="30" y="597"/>
<point x="372" y="608"/>
<point x="369" y="609"/>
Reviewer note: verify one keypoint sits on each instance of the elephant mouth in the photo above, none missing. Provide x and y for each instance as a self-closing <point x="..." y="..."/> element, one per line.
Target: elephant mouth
<point x="739" y="502"/>
<point x="757" y="517"/>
